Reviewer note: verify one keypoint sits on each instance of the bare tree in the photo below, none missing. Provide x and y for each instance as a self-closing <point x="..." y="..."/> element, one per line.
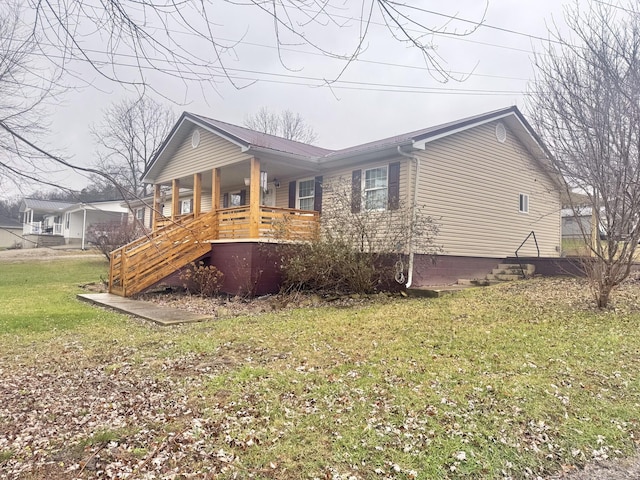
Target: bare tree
<point x="285" y="124"/>
<point x="24" y="86"/>
<point x="586" y="103"/>
<point x="140" y="44"/>
<point x="129" y="136"/>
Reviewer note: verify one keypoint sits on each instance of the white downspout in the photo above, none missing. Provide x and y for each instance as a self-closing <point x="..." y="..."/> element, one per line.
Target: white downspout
<point x="84" y="223"/>
<point x="413" y="213"/>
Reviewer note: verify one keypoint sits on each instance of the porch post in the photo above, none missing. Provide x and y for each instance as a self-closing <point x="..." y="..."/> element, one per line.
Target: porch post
<point x="197" y="194"/>
<point x="215" y="189"/>
<point x="175" y="198"/>
<point x="155" y="208"/>
<point x="215" y="201"/>
<point x="254" y="199"/>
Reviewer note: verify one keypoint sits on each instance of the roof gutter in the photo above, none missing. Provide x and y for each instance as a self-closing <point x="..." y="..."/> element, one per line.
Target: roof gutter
<point x="413" y="213"/>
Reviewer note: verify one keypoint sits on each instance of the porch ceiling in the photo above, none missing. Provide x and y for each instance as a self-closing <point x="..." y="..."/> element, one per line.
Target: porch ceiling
<point x="232" y="176"/>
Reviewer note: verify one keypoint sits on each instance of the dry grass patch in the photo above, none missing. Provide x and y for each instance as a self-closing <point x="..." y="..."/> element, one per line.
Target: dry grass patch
<point x="511" y="381"/>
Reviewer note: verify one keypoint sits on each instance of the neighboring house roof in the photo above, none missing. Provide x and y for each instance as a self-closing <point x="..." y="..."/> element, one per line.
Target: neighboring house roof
<point x="6" y="222"/>
<point x="54" y="206"/>
<point x="579" y="211"/>
<point x="249" y="140"/>
<point x="44" y="205"/>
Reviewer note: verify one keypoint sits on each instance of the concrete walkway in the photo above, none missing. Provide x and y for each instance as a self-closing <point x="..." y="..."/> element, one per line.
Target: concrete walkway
<point x="434" y="291"/>
<point x="146" y="310"/>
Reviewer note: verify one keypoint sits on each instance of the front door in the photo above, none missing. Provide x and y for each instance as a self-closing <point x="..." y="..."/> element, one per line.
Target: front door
<point x="268" y="198"/>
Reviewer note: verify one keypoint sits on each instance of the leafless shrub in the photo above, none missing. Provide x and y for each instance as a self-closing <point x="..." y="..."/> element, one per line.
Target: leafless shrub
<point x="201" y="279"/>
<point x="358" y="252"/>
<point x="112" y="235"/>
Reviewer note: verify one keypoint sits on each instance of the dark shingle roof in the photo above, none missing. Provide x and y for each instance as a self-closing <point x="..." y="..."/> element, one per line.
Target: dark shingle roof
<point x="264" y="140"/>
<point x="250" y="137"/>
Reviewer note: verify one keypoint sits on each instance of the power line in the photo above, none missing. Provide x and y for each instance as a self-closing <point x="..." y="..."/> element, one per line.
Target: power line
<point x="476" y="23"/>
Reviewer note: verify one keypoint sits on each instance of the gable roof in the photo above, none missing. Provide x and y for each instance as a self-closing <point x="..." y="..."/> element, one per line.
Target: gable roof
<point x="44" y="205"/>
<point x="248" y="138"/>
<point x="252" y="141"/>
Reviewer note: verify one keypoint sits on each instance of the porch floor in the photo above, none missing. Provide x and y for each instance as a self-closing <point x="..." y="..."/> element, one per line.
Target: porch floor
<point x="138" y="308"/>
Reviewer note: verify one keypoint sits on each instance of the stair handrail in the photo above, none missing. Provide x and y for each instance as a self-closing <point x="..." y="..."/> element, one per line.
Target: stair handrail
<point x="531" y="234"/>
<point x="127" y="251"/>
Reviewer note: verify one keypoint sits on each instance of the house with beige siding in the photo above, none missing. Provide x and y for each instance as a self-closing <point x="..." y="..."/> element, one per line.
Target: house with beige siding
<point x="219" y="189"/>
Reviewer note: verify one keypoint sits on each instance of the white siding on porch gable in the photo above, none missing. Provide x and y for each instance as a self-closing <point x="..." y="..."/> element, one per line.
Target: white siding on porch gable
<point x="212" y="152"/>
<point x="472" y="183"/>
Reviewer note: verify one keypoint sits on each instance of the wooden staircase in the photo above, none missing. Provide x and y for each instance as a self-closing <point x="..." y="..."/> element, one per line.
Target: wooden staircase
<point x="504" y="272"/>
<point x="144" y="262"/>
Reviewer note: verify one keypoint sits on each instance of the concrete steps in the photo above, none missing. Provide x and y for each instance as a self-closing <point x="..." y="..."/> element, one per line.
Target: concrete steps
<point x="505" y="272"/>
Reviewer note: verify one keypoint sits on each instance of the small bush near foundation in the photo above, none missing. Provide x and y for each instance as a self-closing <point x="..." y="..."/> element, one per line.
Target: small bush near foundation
<point x="200" y="279"/>
<point x="357" y="250"/>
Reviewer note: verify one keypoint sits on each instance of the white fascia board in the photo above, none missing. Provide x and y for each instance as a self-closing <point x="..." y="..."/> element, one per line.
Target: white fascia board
<point x="421" y="145"/>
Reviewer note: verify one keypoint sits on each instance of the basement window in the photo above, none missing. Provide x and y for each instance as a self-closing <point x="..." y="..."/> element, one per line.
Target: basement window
<point x="524" y="203"/>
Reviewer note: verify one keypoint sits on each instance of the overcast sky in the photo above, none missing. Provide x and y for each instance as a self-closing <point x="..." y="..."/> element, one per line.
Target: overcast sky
<point x="387" y="91"/>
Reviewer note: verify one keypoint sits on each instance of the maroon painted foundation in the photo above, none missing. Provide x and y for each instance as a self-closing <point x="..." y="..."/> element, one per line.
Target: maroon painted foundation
<point x="447" y="269"/>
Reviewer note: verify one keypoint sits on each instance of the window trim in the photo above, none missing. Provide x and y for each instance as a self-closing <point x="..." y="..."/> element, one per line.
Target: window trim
<point x="313" y="192"/>
<point x="364" y="190"/>
<point x="139" y="217"/>
<point x="523" y="203"/>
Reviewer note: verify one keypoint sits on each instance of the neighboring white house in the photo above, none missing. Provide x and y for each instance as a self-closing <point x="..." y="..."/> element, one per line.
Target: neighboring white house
<point x="10" y="233"/>
<point x="50" y="223"/>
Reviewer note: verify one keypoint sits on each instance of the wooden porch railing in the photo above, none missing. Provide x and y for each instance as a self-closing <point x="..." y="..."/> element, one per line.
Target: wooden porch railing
<point x="276" y="223"/>
<point x="146" y="261"/>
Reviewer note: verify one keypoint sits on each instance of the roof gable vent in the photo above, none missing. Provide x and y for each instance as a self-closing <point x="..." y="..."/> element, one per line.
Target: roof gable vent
<point x="195" y="138"/>
<point x="501" y="132"/>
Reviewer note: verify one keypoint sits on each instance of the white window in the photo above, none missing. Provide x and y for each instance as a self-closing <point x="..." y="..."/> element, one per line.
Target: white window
<point x="185" y="206"/>
<point x="140" y="214"/>
<point x="375" y="188"/>
<point x="306" y="194"/>
<point x="524" y="203"/>
<point x="67" y="216"/>
<point x="235" y="200"/>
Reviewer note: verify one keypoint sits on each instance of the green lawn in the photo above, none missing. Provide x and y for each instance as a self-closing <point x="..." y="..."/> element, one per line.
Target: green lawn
<point x="516" y="380"/>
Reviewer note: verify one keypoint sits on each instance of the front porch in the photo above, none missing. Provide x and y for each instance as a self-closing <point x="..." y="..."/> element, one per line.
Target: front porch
<point x="234" y="223"/>
<point x="239" y="199"/>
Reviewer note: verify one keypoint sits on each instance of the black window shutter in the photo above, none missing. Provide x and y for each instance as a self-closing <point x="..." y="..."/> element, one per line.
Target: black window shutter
<point x="356" y="195"/>
<point x="243" y="197"/>
<point x="317" y="194"/>
<point x="292" y="194"/>
<point x="225" y="200"/>
<point x="394" y="186"/>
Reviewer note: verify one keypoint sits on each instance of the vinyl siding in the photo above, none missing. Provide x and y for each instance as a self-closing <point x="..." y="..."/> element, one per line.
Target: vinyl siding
<point x="471" y="183"/>
<point x="212" y="152"/>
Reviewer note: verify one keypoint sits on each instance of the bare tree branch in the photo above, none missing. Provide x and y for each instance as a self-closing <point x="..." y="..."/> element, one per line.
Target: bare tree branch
<point x="586" y="104"/>
<point x="129" y="136"/>
<point x="285" y="124"/>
